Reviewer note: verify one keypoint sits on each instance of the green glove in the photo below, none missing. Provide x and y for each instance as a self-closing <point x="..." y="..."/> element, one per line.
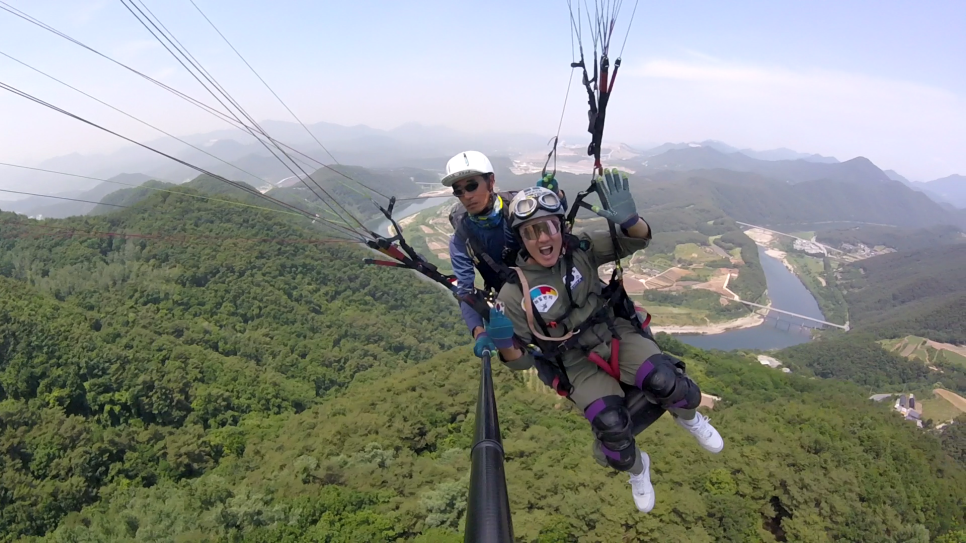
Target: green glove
<point x="617" y="204"/>
<point x="549" y="182"/>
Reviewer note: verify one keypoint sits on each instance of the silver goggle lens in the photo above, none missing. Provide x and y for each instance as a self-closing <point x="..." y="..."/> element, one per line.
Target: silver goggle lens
<point x="528" y="206"/>
<point x="525" y="207"/>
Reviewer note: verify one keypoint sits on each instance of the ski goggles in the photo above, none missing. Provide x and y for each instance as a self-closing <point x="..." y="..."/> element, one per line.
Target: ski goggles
<point x="526" y="207"/>
<point x="532" y="232"/>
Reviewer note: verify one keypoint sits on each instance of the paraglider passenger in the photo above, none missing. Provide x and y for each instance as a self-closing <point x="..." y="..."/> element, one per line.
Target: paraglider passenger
<point x="556" y="303"/>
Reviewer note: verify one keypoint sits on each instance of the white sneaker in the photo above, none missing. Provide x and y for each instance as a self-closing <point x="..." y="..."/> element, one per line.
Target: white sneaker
<point x="641" y="486"/>
<point x="700" y="428"/>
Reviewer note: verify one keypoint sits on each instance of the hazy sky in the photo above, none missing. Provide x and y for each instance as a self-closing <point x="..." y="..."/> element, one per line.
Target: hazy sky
<point x="884" y="80"/>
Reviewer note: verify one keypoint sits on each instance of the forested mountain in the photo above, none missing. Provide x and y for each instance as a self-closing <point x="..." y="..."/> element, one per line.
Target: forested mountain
<point x="343" y="184"/>
<point x="197" y="385"/>
<point x="757" y="199"/>
<point x="920" y="292"/>
<point x="142" y="347"/>
<point x="131" y="196"/>
<point x="388" y="461"/>
<point x="749" y="197"/>
<point x="856" y="357"/>
<point x="356" y="188"/>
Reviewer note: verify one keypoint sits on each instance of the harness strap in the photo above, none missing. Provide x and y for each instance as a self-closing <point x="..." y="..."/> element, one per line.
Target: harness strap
<point x="612" y="368"/>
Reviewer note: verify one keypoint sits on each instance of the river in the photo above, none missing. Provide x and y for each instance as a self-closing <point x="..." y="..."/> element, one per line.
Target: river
<point x="406" y="209"/>
<point x="786" y="292"/>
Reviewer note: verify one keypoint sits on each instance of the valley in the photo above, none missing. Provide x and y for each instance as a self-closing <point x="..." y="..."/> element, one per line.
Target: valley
<point x="257" y="388"/>
<point x="211" y="330"/>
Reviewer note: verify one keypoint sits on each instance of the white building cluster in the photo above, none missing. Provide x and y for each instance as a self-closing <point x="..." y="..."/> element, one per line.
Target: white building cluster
<point x="906" y="406"/>
<point x="772" y="363"/>
<point x="809" y="247"/>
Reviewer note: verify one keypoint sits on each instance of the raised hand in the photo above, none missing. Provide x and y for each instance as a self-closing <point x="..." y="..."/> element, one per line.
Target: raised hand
<point x="617" y="204"/>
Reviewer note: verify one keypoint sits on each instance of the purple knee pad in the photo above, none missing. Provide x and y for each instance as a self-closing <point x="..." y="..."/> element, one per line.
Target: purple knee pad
<point x="611" y="424"/>
<point x="659" y="377"/>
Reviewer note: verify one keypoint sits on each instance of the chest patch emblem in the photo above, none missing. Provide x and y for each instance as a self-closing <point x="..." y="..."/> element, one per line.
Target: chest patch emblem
<point x="543" y="297"/>
<point x="577" y="277"/>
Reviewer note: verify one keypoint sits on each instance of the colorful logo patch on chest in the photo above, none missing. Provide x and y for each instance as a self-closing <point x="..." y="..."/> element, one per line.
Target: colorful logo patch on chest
<point x="543" y="297"/>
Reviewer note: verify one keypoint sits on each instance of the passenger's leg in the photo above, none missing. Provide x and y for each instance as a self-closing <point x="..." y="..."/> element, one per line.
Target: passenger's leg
<point x="601" y="399"/>
<point x="644" y="365"/>
<point x="663" y="381"/>
<point x="611" y="423"/>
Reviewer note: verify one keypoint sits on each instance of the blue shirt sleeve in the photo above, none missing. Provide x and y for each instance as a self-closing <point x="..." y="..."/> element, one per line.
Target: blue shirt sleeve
<point x="465" y="274"/>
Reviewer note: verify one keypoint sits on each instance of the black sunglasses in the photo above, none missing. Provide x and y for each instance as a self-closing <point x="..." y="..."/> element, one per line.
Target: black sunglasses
<point x="470" y="186"/>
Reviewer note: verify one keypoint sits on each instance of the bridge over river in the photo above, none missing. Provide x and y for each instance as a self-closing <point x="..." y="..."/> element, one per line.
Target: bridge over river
<point x="782" y="311"/>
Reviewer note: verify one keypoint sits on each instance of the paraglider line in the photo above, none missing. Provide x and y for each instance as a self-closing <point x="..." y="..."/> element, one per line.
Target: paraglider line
<point x="60" y="198"/>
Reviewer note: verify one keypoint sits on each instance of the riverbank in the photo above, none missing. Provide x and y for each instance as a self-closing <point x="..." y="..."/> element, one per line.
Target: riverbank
<point x="780" y="255"/>
<point x="766" y="240"/>
<point x="750" y="321"/>
<point x="438" y="193"/>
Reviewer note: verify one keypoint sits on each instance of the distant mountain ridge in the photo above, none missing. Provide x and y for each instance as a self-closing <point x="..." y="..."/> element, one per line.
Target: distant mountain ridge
<point x="406" y="145"/>
<point x="857" y="170"/>
<point x="770" y="154"/>
<point x="788" y="154"/>
<point x="951" y="189"/>
<point x="58" y="209"/>
<point x="758" y="199"/>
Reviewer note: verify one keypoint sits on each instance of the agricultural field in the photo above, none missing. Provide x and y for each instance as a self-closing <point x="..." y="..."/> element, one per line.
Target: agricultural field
<point x="940" y="407"/>
<point x="927" y="351"/>
<point x="808" y="264"/>
<point x="694" y="253"/>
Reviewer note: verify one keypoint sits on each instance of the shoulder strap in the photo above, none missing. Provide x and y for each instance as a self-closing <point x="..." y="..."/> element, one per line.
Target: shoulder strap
<point x="456" y="218"/>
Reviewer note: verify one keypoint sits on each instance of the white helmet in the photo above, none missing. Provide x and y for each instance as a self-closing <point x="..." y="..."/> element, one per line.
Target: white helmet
<point x="466" y="164"/>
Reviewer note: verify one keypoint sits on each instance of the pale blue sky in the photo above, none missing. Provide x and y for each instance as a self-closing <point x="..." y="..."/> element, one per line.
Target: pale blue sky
<point x="885" y="80"/>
